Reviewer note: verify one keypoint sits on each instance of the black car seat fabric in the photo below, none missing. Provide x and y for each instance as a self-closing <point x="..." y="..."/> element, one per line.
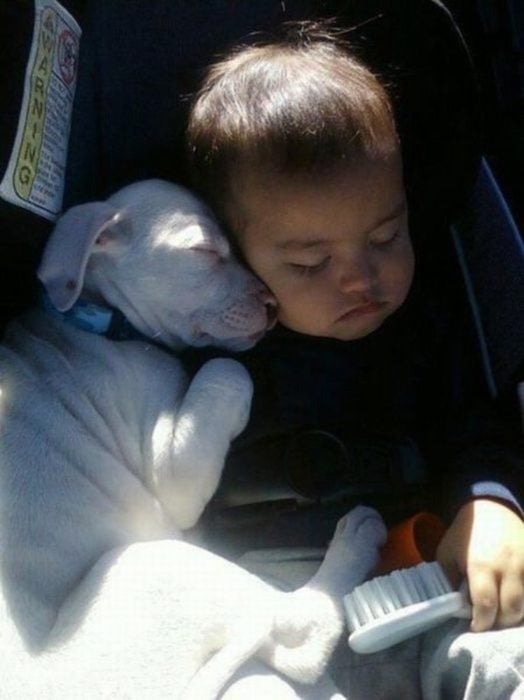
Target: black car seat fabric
<point x="490" y="251"/>
<point x="139" y="63"/>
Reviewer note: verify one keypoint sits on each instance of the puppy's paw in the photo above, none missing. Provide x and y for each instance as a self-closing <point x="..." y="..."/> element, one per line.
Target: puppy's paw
<point x="361" y="526"/>
<point x="226" y="375"/>
<point x="229" y="387"/>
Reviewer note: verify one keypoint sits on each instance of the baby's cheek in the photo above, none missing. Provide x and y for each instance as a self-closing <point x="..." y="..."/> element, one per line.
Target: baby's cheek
<point x="402" y="279"/>
<point x="300" y="319"/>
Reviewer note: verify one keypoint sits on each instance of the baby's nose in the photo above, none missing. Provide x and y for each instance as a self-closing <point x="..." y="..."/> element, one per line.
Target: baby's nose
<point x="358" y="276"/>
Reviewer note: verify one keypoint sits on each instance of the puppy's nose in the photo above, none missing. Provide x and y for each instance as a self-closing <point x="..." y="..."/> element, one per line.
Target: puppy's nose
<point x="270" y="302"/>
<point x="266" y="297"/>
<point x="271" y="310"/>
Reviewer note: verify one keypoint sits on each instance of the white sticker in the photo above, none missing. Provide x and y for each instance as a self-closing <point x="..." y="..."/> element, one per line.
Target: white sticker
<point x="34" y="178"/>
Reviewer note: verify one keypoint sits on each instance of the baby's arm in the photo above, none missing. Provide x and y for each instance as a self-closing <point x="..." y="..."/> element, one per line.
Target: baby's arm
<point x="485" y="543"/>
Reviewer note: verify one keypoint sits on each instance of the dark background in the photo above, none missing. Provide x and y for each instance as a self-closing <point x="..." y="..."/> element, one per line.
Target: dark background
<point x="494" y="31"/>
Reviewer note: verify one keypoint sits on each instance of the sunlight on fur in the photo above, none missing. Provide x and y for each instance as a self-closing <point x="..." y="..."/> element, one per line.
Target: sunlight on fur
<point x="185" y="429"/>
<point x="163" y="434"/>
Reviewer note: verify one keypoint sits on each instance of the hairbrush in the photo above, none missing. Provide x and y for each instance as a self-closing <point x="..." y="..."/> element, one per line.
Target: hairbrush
<point x="390" y="609"/>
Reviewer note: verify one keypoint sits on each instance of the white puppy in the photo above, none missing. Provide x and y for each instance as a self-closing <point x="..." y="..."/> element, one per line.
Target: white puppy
<point x="105" y="444"/>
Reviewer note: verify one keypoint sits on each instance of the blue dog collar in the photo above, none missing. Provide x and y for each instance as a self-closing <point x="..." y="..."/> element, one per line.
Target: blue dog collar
<point x="90" y="317"/>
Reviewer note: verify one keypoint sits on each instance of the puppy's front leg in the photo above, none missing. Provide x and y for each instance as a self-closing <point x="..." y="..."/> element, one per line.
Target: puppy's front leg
<point x="309" y="621"/>
<point x="352" y="553"/>
<point x="188" y="466"/>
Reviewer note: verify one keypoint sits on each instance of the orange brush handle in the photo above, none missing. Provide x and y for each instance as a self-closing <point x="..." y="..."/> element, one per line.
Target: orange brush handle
<point x="411" y="542"/>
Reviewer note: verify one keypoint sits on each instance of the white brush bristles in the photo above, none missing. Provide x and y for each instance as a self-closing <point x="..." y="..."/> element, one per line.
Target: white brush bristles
<point x="389" y="609"/>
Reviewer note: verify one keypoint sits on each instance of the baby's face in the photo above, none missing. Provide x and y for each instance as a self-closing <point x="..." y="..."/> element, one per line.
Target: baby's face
<point x="335" y="252"/>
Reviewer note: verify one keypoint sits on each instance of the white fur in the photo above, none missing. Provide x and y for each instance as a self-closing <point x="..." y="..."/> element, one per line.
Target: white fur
<point x="108" y="452"/>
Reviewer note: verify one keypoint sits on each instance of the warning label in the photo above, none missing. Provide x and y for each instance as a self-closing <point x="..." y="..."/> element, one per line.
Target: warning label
<point x="34" y="178"/>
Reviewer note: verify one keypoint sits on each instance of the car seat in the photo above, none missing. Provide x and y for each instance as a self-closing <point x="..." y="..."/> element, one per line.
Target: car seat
<point x="139" y="62"/>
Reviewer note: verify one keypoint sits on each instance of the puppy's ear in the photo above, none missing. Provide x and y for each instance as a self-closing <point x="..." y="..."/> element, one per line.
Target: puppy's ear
<point x="72" y="241"/>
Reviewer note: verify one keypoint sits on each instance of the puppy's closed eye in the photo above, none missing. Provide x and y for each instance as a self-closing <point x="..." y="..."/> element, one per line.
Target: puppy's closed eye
<point x="210" y="255"/>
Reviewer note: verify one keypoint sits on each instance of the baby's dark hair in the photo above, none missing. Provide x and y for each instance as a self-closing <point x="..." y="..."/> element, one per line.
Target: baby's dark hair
<point x="299" y="104"/>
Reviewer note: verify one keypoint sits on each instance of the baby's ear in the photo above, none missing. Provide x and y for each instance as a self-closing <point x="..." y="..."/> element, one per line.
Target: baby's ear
<point x="72" y="241"/>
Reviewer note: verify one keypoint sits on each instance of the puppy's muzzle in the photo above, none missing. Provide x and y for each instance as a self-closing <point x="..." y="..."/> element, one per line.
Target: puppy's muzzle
<point x="270" y="302"/>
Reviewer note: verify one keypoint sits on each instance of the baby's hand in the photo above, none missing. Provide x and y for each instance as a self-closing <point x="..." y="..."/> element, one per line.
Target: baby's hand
<point x="485" y="543"/>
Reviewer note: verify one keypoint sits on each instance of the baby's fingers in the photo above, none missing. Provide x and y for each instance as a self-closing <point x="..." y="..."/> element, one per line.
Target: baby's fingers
<point x="511" y="609"/>
<point x="483" y="591"/>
